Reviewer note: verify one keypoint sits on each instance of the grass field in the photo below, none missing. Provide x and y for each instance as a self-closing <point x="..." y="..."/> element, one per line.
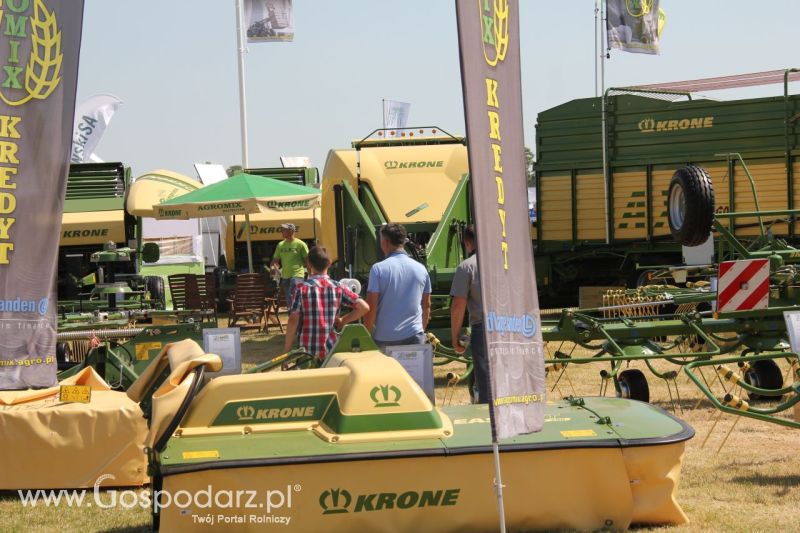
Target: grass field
<point x="750" y="484"/>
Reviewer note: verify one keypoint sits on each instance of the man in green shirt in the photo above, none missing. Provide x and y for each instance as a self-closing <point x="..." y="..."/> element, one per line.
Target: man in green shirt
<point x="291" y="257"/>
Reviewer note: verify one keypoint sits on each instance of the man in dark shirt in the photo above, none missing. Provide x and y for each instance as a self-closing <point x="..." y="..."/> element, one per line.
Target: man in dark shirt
<point x="466" y="293"/>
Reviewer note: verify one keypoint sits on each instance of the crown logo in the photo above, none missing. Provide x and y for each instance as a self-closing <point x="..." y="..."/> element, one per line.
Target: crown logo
<point x="390" y="164"/>
<point x="647" y="125"/>
<point x="335" y="501"/>
<point x="385" y="395"/>
<point x="246" y="412"/>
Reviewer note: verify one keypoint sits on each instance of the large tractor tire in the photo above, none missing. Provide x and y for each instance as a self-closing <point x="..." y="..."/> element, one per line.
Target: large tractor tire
<point x="632" y="384"/>
<point x="690" y="205"/>
<point x="764" y="374"/>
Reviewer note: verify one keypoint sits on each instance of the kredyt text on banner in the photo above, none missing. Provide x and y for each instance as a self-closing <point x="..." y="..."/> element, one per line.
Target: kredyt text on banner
<point x="488" y="32"/>
<point x="39" y="46"/>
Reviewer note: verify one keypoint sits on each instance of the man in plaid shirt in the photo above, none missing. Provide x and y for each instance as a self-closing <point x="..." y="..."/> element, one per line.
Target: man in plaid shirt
<point x="313" y="316"/>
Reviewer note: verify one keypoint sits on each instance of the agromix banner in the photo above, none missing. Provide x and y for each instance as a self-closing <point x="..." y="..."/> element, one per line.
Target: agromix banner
<point x="488" y="34"/>
<point x="39" y="46"/>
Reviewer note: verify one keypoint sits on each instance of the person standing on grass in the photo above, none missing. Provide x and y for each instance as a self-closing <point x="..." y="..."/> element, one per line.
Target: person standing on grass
<point x="398" y="293"/>
<point x="313" y="317"/>
<point x="466" y="294"/>
<point x="291" y="258"/>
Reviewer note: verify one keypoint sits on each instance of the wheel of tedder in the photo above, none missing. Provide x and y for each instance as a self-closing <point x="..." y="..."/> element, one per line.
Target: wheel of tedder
<point x="64" y="356"/>
<point x="690" y="205"/>
<point x="632" y="384"/>
<point x="644" y="277"/>
<point x="156" y="291"/>
<point x="764" y="374"/>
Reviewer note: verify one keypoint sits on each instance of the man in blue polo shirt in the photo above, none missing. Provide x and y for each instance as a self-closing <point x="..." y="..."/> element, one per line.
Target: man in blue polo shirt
<point x="398" y="293"/>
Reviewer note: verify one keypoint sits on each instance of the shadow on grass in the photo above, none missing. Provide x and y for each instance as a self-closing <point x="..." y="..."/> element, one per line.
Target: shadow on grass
<point x="258" y="347"/>
<point x="684" y="405"/>
<point x="9" y="495"/>
<point x="768" y="481"/>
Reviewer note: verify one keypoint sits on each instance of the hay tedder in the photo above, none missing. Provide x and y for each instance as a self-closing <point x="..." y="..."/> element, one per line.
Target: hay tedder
<point x="732" y="318"/>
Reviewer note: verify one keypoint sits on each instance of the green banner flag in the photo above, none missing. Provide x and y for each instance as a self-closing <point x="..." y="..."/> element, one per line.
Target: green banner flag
<point x="39" y="47"/>
<point x="488" y="34"/>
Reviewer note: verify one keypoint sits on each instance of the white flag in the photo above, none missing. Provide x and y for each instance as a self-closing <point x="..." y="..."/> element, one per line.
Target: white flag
<point x="395" y="114"/>
<point x="295" y="161"/>
<point x="91" y="119"/>
<point x="269" y="20"/>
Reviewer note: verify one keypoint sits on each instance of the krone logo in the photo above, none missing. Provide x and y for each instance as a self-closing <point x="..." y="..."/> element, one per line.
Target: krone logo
<point x="494" y="25"/>
<point x="650" y="124"/>
<point x="246" y="412"/>
<point x="394" y="165"/>
<point x="389" y="395"/>
<point x="335" y="501"/>
<point x="43" y="69"/>
<point x="647" y="125"/>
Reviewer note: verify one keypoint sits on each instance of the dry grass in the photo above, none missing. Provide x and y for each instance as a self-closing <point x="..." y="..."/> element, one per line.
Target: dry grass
<point x="751" y="484"/>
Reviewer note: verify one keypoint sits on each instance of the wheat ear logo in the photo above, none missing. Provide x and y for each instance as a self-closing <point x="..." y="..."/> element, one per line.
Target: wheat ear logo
<point x="335" y="501"/>
<point x="494" y="26"/>
<point x="639" y="8"/>
<point x="389" y="395"/>
<point x="43" y="69"/>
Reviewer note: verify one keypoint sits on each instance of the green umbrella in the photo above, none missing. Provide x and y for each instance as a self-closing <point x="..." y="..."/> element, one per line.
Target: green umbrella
<point x="241" y="194"/>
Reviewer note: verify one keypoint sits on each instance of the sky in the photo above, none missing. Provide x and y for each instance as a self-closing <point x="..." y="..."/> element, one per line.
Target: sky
<point x="174" y="65"/>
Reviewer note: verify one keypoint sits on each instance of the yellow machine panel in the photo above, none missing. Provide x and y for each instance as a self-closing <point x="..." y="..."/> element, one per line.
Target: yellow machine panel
<point x="266" y="226"/>
<point x="339" y="167"/>
<point x="556" y="207"/>
<point x="795" y="170"/>
<point x="92" y="227"/>
<point x="410" y="183"/>
<point x="591" y="213"/>
<point x="630" y="205"/>
<point x="405" y="179"/>
<point x="156" y="187"/>
<point x="771" y="187"/>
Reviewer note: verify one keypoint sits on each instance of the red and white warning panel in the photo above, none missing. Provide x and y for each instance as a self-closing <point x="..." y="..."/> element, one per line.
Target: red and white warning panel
<point x="743" y="285"/>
